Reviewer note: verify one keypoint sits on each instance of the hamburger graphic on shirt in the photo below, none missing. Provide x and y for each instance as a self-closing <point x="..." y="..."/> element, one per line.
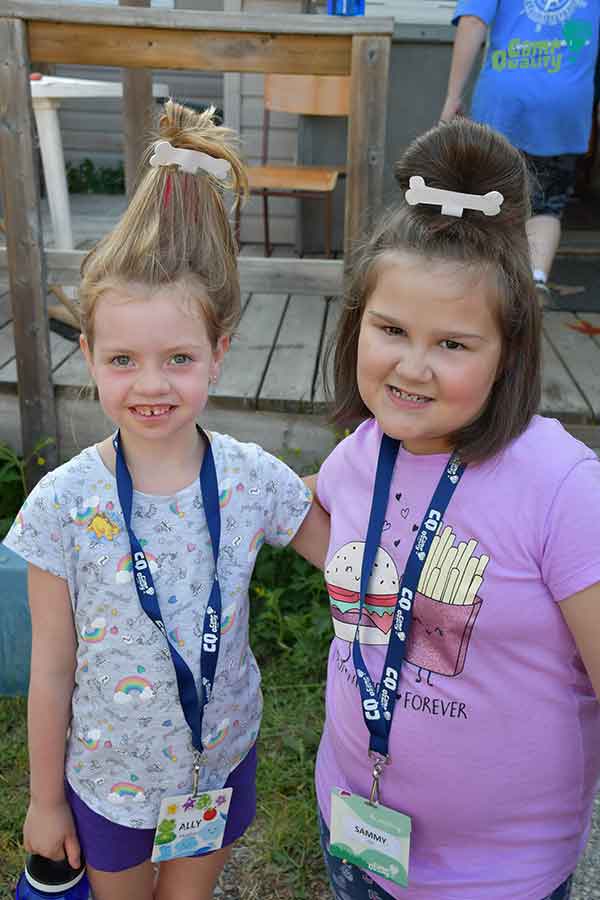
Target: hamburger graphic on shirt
<point x="445" y="608"/>
<point x="342" y="575"/>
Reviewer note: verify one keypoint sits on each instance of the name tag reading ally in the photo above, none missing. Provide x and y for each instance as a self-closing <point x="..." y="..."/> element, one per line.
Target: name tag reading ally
<point x="370" y="836"/>
<point x="191" y="825"/>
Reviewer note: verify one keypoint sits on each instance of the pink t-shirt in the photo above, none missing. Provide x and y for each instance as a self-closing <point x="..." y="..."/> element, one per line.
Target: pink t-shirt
<point x="495" y="740"/>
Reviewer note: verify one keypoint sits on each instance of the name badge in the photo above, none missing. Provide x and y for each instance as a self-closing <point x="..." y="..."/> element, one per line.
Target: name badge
<point x="370" y="836"/>
<point x="191" y="825"/>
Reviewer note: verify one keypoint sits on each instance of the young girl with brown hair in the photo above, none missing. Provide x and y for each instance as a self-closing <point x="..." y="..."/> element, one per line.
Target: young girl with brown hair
<point x="139" y="565"/>
<point x="460" y="751"/>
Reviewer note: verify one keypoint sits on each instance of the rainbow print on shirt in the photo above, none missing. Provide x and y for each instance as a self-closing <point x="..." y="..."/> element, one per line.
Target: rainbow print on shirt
<point x="124" y="791"/>
<point x="133" y="687"/>
<point x="125" y="566"/>
<point x="228" y="618"/>
<point x="95" y="631"/>
<point x="91" y="740"/>
<point x="217" y="736"/>
<point x="82" y="515"/>
<point x="169" y="752"/>
<point x="257" y="541"/>
<point x="225" y="495"/>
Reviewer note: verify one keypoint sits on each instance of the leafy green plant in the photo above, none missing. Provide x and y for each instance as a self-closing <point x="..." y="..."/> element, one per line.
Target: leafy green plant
<point x="13" y="486"/>
<point x="87" y="178"/>
<point x="289" y="614"/>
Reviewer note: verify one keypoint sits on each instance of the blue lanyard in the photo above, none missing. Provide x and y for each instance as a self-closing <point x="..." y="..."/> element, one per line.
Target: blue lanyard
<point x="378" y="704"/>
<point x="192" y="705"/>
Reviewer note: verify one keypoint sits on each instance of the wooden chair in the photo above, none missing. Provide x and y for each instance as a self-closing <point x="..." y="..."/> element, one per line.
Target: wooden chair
<point x="312" y="95"/>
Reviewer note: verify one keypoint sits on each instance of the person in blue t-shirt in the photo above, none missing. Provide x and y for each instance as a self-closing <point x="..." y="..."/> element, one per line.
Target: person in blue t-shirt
<point x="536" y="86"/>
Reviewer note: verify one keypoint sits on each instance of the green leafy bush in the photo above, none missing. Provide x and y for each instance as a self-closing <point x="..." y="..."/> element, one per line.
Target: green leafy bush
<point x="87" y="178"/>
<point x="13" y="486"/>
<point x="290" y="619"/>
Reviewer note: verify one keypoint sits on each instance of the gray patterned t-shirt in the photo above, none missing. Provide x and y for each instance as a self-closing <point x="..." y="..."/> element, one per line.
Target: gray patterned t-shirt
<point x="129" y="743"/>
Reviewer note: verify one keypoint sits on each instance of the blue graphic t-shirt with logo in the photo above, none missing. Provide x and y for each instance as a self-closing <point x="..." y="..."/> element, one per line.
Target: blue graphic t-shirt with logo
<point x="537" y="82"/>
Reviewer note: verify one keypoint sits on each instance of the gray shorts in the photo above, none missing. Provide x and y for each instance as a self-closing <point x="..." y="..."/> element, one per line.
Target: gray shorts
<point x="553" y="182"/>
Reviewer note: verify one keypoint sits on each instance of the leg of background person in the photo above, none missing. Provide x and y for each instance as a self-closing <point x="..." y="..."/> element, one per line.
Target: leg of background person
<point x="543" y="233"/>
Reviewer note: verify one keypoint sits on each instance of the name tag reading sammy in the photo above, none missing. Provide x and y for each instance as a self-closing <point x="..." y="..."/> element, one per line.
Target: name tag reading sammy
<point x="191" y="825"/>
<point x="370" y="836"/>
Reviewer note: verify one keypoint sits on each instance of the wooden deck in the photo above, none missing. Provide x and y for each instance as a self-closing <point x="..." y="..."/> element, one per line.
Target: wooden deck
<point x="271" y="388"/>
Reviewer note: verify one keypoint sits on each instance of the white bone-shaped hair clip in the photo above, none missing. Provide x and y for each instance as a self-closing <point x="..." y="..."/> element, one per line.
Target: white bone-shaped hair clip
<point x="452" y="202"/>
<point x="189" y="160"/>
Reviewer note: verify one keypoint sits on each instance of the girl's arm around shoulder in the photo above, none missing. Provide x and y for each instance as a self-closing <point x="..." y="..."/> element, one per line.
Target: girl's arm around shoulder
<point x="581" y="612"/>
<point x="312" y="538"/>
<point x="49" y="828"/>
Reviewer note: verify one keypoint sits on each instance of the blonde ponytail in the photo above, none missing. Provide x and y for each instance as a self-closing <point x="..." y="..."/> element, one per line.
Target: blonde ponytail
<point x="176" y="227"/>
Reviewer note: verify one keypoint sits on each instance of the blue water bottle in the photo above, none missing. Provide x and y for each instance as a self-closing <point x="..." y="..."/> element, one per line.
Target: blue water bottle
<point x="346" y="7"/>
<point x="47" y="879"/>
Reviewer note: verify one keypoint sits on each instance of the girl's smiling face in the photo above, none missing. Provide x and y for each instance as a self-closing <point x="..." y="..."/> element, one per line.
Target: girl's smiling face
<point x="152" y="360"/>
<point x="429" y="349"/>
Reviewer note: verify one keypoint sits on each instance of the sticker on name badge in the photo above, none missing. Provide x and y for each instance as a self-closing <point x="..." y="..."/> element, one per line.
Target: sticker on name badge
<point x="191" y="825"/>
<point x="370" y="836"/>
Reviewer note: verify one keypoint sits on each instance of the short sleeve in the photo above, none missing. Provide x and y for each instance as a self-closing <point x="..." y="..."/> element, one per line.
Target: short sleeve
<point x="36" y="534"/>
<point x="324" y="479"/>
<point x="340" y="465"/>
<point x="484" y="9"/>
<point x="571" y="550"/>
<point x="287" y="499"/>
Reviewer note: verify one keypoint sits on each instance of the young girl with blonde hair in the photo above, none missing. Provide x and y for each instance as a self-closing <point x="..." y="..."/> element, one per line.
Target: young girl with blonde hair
<point x="139" y="566"/>
<point x="460" y="752"/>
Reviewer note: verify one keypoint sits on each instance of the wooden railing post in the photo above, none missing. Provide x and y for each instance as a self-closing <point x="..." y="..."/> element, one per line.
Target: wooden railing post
<point x="137" y="113"/>
<point x="366" y="136"/>
<point x="20" y="185"/>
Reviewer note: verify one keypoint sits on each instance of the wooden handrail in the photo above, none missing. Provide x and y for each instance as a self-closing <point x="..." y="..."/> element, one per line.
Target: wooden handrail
<point x="201" y="21"/>
<point x="277" y="276"/>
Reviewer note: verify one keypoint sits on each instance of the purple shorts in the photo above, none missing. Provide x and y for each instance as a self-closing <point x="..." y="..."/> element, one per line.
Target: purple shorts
<point x="109" y="847"/>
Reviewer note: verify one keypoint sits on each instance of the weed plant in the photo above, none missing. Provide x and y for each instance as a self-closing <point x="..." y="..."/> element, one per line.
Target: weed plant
<point x="87" y="178"/>
<point x="13" y="485"/>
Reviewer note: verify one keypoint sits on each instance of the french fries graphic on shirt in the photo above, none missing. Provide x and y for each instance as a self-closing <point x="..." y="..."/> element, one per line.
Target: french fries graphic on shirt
<point x="445" y="606"/>
<point x="452" y="574"/>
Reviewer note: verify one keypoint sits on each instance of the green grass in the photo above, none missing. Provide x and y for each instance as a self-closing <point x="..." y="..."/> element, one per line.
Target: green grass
<point x="13" y="791"/>
<point x="290" y="634"/>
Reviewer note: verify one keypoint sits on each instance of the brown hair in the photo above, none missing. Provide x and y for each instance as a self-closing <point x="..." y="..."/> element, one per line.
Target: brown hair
<point x="472" y="159"/>
<point x="175" y="228"/>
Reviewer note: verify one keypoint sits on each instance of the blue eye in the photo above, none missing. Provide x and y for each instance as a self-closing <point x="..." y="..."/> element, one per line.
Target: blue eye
<point x="180" y="358"/>
<point x="120" y="361"/>
<point x="453" y="345"/>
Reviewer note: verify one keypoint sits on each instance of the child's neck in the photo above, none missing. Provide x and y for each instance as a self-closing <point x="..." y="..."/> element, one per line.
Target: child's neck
<point x="156" y="469"/>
